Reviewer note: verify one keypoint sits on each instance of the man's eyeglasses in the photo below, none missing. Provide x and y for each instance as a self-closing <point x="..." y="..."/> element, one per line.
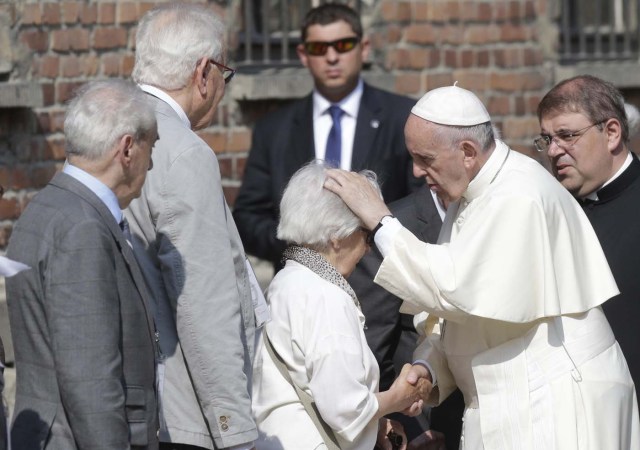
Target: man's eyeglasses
<point x="563" y="139"/>
<point x="227" y="72"/>
<point x="319" y="48"/>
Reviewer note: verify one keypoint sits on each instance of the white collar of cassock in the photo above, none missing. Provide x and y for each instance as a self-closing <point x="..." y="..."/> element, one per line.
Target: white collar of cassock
<point x="488" y="172"/>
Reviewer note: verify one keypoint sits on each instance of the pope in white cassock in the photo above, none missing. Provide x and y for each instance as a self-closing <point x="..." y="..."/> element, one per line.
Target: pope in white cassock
<point x="512" y="290"/>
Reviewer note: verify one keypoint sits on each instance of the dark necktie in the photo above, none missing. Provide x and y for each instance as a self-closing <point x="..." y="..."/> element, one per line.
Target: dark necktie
<point x="333" y="153"/>
<point x="124" y="226"/>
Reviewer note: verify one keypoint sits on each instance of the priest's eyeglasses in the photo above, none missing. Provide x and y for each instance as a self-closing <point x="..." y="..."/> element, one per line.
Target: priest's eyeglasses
<point x="564" y="139"/>
<point x="320" y="48"/>
<point x="227" y="72"/>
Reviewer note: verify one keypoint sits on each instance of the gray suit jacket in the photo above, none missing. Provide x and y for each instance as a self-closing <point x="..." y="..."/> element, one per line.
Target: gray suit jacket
<point x="82" y="331"/>
<point x="193" y="261"/>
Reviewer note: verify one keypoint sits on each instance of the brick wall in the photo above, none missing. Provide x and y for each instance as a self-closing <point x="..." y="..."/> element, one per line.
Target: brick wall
<point x="494" y="48"/>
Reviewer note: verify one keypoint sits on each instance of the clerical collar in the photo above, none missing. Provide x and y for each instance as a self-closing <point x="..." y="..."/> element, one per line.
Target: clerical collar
<point x="350" y="104"/>
<point x="162" y="95"/>
<point x="594" y="196"/>
<point x="488" y="172"/>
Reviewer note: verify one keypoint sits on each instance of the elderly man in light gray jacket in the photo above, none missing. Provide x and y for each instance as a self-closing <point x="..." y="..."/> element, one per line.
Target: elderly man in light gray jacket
<point x="186" y="240"/>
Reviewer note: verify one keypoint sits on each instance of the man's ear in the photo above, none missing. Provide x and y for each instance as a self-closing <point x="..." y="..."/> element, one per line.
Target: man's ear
<point x="202" y="74"/>
<point x="470" y="153"/>
<point x="302" y="55"/>
<point x="613" y="131"/>
<point x="366" y="47"/>
<point x="125" y="149"/>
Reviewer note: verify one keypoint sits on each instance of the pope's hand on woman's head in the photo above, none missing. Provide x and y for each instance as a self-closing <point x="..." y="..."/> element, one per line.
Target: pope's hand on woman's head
<point x="359" y="195"/>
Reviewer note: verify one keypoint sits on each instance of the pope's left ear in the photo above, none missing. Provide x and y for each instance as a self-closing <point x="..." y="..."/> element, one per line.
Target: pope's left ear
<point x="470" y="152"/>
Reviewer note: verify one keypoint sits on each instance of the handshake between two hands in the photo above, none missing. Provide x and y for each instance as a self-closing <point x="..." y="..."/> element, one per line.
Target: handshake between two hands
<point x="409" y="392"/>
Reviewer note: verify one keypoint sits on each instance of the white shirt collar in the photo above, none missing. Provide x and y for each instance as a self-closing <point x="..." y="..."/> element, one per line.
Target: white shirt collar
<point x="102" y="191"/>
<point x="162" y="95"/>
<point x="350" y="104"/>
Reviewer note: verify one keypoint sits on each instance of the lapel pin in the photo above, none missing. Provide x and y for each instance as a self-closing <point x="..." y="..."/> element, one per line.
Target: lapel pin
<point x="375" y="123"/>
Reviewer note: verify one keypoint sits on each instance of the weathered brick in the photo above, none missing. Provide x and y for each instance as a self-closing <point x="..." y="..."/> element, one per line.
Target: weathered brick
<point x="226" y="167"/>
<point x="468" y="11"/>
<point x="498" y="105"/>
<point x="450" y="58"/>
<point x="51" y="13"/>
<point x="436" y="80"/>
<point x="481" y="34"/>
<point x="127" y="12"/>
<point x="143" y="7"/>
<point x="512" y="32"/>
<point x="90" y="65"/>
<point x="36" y="40"/>
<point x="126" y="65"/>
<point x="443" y="12"/>
<point x="32" y="14"/>
<point x="510" y="81"/>
<point x="57" y="121"/>
<point x="9" y="209"/>
<point x="65" y="90"/>
<point x="106" y="13"/>
<point x="421" y="34"/>
<point x="514" y="10"/>
<point x="484" y="12"/>
<point x="473" y="80"/>
<point x="47" y="66"/>
<point x="241" y="164"/>
<point x="70" y="11"/>
<point x="230" y="194"/>
<point x="216" y="140"/>
<point x="70" y="39"/>
<point x="110" y="64"/>
<point x="466" y="58"/>
<point x="48" y="94"/>
<point x="522" y="127"/>
<point x="532" y="57"/>
<point x="483" y="58"/>
<point x="452" y="34"/>
<point x="520" y="105"/>
<point x="394" y="34"/>
<point x="108" y="38"/>
<point x="239" y="140"/>
<point x="408" y="83"/>
<point x="395" y="11"/>
<point x="89" y="13"/>
<point x="508" y="57"/>
<point x="529" y="10"/>
<point x="420" y="11"/>
<point x="70" y="66"/>
<point x="397" y="58"/>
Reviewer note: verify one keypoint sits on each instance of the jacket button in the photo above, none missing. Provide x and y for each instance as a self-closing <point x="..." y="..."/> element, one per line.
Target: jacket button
<point x="223" y="419"/>
<point x="224" y="427"/>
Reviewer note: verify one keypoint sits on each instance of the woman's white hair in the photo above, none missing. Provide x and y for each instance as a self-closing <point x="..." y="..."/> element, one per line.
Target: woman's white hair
<point x="170" y="41"/>
<point x="311" y="215"/>
<point x="101" y="113"/>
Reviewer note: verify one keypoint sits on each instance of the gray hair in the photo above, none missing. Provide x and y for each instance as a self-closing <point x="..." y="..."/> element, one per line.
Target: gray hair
<point x="482" y="134"/>
<point x="170" y="41"/>
<point x="311" y="215"/>
<point x="101" y="113"/>
<point x="633" y="117"/>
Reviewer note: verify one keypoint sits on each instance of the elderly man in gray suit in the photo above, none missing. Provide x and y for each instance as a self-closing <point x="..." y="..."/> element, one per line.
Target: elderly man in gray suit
<point x="186" y="240"/>
<point x="80" y="318"/>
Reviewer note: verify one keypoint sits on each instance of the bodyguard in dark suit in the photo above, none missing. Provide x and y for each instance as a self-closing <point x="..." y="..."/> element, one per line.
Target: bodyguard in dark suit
<point x="82" y="330"/>
<point x="585" y="133"/>
<point x="371" y="129"/>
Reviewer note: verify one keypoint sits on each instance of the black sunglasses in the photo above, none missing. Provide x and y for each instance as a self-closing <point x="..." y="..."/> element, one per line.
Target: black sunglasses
<point x="319" y="48"/>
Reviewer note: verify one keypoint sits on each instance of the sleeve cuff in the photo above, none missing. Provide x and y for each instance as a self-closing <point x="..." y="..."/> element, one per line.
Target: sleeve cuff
<point x="386" y="233"/>
<point x="425" y="364"/>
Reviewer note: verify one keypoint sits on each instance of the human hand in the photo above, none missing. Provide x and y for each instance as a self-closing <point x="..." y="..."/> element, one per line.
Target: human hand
<point x="391" y="435"/>
<point x="429" y="440"/>
<point x="410" y="396"/>
<point x="359" y="195"/>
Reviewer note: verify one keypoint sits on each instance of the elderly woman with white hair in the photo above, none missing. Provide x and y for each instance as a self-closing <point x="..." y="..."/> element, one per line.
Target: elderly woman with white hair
<point x="314" y="347"/>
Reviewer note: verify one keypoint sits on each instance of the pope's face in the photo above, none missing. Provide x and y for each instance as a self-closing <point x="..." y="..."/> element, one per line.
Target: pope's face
<point x="442" y="166"/>
<point x="583" y="162"/>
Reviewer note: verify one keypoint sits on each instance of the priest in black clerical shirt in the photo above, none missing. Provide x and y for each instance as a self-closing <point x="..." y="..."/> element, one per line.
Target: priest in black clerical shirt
<point x="585" y="133"/>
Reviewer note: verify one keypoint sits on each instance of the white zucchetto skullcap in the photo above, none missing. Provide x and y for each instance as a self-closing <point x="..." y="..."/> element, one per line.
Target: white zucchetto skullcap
<point x="451" y="105"/>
